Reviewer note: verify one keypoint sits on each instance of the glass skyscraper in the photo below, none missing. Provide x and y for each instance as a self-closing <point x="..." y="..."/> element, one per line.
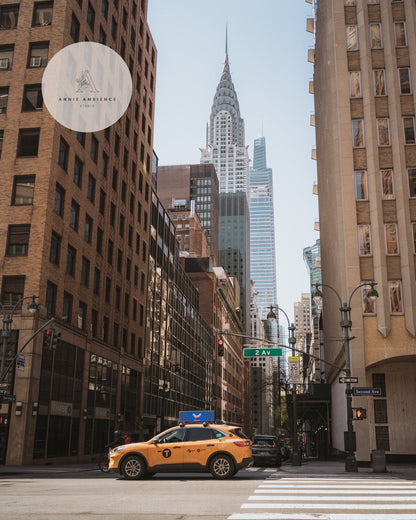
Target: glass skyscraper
<point x="262" y="231"/>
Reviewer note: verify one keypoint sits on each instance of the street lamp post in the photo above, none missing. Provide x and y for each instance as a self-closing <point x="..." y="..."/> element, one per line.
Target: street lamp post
<point x="346" y="323"/>
<point x="7" y="323"/>
<point x="271" y="316"/>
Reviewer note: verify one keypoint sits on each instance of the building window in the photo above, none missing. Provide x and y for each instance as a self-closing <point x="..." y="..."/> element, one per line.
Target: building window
<point x="82" y="315"/>
<point x="368" y="303"/>
<point x="71" y="256"/>
<point x="38" y="54"/>
<point x="107" y="293"/>
<point x="94" y="148"/>
<point x="74" y="215"/>
<point x="32" y="98"/>
<point x="104" y="8"/>
<point x="364" y="239"/>
<point x="18" y="240"/>
<point x="392" y="242"/>
<point x="99" y="244"/>
<point x="411" y="174"/>
<point x="85" y="272"/>
<point x="102" y="37"/>
<point x="67" y="307"/>
<point x="104" y="165"/>
<point x="383" y="131"/>
<point x="1" y="140"/>
<point x="380" y="411"/>
<point x="376" y="36"/>
<point x="380" y="82"/>
<point x="355" y="84"/>
<point x="110" y="251"/>
<point x="51" y="292"/>
<point x="94" y="323"/>
<point x="395" y="290"/>
<point x="9" y="15"/>
<point x="409" y="130"/>
<point x="352" y="37"/>
<point x="97" y="281"/>
<point x="63" y="154"/>
<point x="414" y="236"/>
<point x="91" y="188"/>
<point x="12" y="289"/>
<point x="387" y="184"/>
<point x="81" y="138"/>
<point x="4" y="97"/>
<point x="74" y="29"/>
<point x="28" y="142"/>
<point x="88" y="229"/>
<point x="91" y="16"/>
<point x="78" y="168"/>
<point x="6" y="56"/>
<point x="42" y="13"/>
<point x="55" y="250"/>
<point x="23" y="190"/>
<point x="382" y="438"/>
<point x="361" y="188"/>
<point x="400" y="33"/>
<point x="379" y="381"/>
<point x="404" y="81"/>
<point x="358" y="133"/>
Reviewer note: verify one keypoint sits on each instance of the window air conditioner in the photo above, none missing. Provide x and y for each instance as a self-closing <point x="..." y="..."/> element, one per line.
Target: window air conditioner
<point x="45" y="18"/>
<point x="35" y="61"/>
<point x="4" y="63"/>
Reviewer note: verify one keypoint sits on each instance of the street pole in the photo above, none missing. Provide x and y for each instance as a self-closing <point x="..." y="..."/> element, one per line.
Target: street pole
<point x="296" y="459"/>
<point x="346" y="324"/>
<point x="6" y="327"/>
<point x="350" y="460"/>
<point x="292" y="342"/>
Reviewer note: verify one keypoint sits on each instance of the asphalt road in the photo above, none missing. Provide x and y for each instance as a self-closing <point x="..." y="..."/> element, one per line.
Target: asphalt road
<point x="253" y="494"/>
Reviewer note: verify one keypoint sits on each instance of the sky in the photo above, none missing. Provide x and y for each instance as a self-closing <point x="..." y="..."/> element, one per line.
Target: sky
<point x="267" y="49"/>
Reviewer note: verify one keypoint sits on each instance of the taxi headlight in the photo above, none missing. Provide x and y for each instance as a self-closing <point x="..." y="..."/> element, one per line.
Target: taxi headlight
<point x="117" y="449"/>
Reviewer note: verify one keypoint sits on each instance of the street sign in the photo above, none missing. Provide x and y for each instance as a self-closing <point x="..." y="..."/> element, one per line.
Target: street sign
<point x="357" y="391"/>
<point x="294" y="370"/>
<point x="262" y="352"/>
<point x="349" y="379"/>
<point x="8" y="398"/>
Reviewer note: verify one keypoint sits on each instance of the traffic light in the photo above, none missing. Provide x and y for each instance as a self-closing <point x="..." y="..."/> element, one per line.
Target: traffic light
<point x="55" y="339"/>
<point x="220" y="349"/>
<point x="359" y="414"/>
<point x="47" y="338"/>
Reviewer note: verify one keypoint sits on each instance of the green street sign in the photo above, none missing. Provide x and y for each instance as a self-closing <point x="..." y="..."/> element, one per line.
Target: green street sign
<point x="262" y="352"/>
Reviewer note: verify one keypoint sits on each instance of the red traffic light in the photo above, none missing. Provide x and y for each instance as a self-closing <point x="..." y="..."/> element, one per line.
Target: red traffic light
<point x="220" y="343"/>
<point x="48" y="332"/>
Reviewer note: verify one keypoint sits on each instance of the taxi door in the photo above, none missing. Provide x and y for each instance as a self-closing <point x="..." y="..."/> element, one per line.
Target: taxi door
<point x="167" y="450"/>
<point x="201" y="443"/>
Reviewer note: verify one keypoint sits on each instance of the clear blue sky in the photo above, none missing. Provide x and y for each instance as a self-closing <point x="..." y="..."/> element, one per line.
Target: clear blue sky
<point x="267" y="47"/>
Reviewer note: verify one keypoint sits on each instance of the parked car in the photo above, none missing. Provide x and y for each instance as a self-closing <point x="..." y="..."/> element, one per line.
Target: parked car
<point x="266" y="451"/>
<point x="215" y="448"/>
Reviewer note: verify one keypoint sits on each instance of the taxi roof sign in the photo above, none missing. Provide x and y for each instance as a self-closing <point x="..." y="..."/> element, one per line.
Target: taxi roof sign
<point x="196" y="416"/>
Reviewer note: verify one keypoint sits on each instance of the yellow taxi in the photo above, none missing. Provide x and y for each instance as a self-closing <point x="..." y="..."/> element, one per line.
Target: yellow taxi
<point x="215" y="448"/>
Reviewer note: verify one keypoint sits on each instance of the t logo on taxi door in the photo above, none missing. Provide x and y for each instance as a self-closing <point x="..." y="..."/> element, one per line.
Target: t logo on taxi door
<point x="166" y="453"/>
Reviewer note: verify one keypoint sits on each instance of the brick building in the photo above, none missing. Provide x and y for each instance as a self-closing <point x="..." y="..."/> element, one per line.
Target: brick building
<point x="75" y="211"/>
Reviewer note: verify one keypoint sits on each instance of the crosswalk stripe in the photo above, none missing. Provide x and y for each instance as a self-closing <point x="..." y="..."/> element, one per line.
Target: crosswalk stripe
<point x="332" y="506"/>
<point x="355" y="498"/>
<point x="358" y="491"/>
<point x="318" y="516"/>
<point x="334" y="486"/>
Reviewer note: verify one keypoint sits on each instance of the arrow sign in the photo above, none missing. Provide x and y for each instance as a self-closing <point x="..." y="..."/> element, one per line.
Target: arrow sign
<point x="350" y="379"/>
<point x="357" y="391"/>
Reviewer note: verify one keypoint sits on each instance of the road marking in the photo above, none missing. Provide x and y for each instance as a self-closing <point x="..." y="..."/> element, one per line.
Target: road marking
<point x="336" y="499"/>
<point x="355" y="498"/>
<point x="318" y="516"/>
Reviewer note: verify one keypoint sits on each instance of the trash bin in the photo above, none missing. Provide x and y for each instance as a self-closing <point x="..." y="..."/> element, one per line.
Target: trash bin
<point x="378" y="461"/>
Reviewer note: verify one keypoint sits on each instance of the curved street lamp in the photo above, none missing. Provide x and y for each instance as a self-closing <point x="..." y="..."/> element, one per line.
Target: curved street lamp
<point x="271" y="316"/>
<point x="346" y="323"/>
<point x="7" y="322"/>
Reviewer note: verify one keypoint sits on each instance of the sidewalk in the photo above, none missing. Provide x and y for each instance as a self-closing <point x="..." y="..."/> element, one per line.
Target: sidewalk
<point x="331" y="467"/>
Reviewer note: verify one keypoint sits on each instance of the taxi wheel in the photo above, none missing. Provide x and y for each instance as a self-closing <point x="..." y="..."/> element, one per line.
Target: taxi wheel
<point x="222" y="467"/>
<point x="133" y="468"/>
